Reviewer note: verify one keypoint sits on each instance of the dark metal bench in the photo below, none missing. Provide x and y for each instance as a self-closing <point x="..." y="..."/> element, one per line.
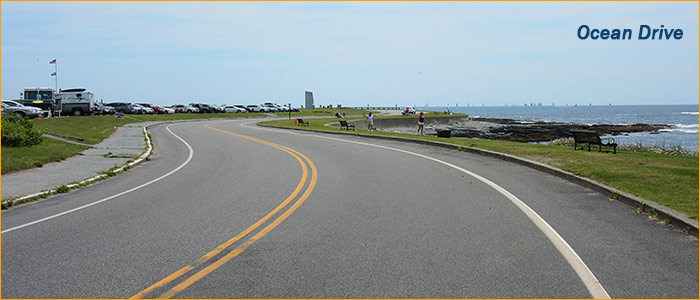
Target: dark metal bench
<point x="592" y="138"/>
<point x="301" y="122"/>
<point x="344" y="124"/>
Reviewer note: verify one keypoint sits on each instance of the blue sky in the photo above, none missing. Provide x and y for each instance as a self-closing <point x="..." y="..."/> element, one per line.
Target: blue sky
<point x="351" y="53"/>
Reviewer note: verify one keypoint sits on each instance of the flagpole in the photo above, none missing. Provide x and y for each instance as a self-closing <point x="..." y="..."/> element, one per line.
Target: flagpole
<point x="55" y="65"/>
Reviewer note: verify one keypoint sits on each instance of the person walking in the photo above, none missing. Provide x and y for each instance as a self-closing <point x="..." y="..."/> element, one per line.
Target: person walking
<point x="370" y="122"/>
<point x="421" y="123"/>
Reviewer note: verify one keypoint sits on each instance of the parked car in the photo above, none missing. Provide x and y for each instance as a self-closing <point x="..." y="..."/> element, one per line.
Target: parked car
<point x="122" y="107"/>
<point x="157" y="109"/>
<point x="142" y="110"/>
<point x="234" y="109"/>
<point x="254" y="108"/>
<point x="241" y="106"/>
<point x="203" y="108"/>
<point x="101" y="109"/>
<point x="217" y="109"/>
<point x="270" y="107"/>
<point x="274" y="107"/>
<point x="181" y="108"/>
<point x="282" y="108"/>
<point x="10" y="107"/>
<point x="165" y="110"/>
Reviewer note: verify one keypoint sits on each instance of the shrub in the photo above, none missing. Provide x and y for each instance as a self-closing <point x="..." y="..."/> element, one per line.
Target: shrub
<point x="19" y="132"/>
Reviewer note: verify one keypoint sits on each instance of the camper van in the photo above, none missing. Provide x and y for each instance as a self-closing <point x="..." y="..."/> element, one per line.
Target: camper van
<point x="75" y="101"/>
<point x="41" y="97"/>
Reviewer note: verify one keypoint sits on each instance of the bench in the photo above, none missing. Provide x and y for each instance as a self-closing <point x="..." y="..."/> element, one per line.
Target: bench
<point x="592" y="138"/>
<point x="300" y="122"/>
<point x="344" y="124"/>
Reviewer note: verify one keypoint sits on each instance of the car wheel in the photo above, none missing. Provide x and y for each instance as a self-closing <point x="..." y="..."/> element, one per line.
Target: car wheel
<point x="19" y="114"/>
<point x="77" y="112"/>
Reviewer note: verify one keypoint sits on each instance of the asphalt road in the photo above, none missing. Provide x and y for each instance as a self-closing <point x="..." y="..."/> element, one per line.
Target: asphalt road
<point x="233" y="210"/>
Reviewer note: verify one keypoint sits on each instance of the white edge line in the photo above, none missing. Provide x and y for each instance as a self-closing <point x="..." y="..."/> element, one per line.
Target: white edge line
<point x="119" y="194"/>
<point x="595" y="288"/>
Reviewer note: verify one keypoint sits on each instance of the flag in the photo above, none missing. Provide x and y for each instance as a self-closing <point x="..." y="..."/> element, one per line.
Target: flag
<point x="53" y="74"/>
<point x="53" y="61"/>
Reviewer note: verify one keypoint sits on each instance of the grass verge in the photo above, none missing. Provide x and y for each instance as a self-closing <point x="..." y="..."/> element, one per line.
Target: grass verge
<point x="671" y="180"/>
<point x="92" y="129"/>
<point x="50" y="150"/>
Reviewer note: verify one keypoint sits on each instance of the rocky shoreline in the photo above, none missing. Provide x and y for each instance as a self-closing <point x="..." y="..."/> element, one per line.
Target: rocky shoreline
<point x="525" y="131"/>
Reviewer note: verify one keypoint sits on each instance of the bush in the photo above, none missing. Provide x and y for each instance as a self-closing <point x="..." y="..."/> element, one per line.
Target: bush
<point x="19" y="132"/>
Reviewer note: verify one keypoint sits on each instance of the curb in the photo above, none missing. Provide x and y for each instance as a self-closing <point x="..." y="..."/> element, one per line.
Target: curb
<point x="676" y="218"/>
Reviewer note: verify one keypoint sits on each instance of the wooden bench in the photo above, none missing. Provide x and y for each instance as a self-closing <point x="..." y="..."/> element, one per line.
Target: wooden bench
<point x="300" y="122"/>
<point x="344" y="124"/>
<point x="592" y="138"/>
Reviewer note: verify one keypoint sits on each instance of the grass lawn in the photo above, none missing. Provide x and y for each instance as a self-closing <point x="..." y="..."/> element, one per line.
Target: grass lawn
<point x="50" y="150"/>
<point x="92" y="129"/>
<point x="670" y="180"/>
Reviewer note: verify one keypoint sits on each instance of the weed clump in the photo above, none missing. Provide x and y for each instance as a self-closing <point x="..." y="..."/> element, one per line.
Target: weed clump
<point x="62" y="189"/>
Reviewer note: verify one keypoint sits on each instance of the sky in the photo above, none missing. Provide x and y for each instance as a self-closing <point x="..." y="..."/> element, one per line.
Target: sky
<point x="351" y="53"/>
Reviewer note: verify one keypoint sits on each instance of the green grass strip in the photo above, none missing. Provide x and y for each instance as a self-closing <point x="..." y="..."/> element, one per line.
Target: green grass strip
<point x="50" y="150"/>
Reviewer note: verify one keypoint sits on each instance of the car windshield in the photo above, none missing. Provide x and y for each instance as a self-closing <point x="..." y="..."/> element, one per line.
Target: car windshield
<point x="12" y="104"/>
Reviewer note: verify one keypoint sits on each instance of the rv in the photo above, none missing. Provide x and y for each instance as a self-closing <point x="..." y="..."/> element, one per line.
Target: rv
<point x="41" y="97"/>
<point x="76" y="101"/>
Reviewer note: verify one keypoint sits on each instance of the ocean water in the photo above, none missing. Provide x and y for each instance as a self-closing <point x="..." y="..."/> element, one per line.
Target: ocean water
<point x="684" y="118"/>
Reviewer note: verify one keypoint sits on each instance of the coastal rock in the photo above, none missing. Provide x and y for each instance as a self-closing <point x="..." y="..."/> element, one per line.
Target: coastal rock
<point x="527" y="131"/>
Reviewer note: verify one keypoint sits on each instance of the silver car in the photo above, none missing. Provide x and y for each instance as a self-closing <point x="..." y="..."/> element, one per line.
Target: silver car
<point x="254" y="108"/>
<point x="234" y="109"/>
<point x="10" y="107"/>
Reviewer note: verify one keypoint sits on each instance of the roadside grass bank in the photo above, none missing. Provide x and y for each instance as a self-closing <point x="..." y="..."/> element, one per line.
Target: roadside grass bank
<point x="91" y="129"/>
<point x="671" y="180"/>
<point x="50" y="150"/>
<point x="85" y="129"/>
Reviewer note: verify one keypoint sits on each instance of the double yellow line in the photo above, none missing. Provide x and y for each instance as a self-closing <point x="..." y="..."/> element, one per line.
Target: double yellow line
<point x="238" y="250"/>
